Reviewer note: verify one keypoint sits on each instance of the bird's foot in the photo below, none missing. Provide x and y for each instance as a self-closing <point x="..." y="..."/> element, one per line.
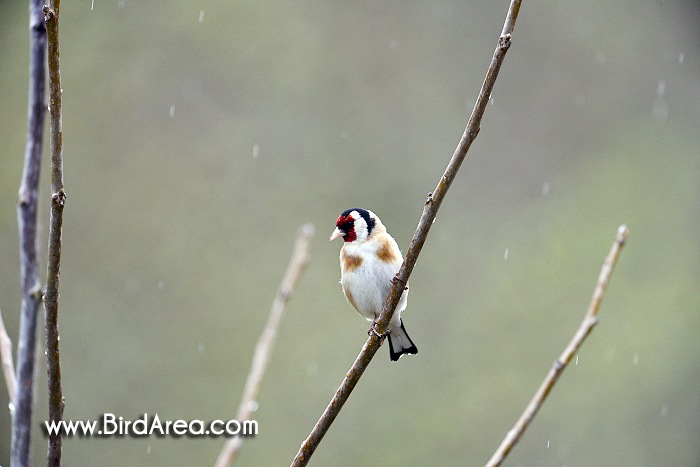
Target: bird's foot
<point x="396" y="279"/>
<point x="373" y="330"/>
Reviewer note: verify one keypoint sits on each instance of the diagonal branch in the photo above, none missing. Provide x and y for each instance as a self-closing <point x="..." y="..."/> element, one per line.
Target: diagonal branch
<point x="589" y="321"/>
<point x="430" y="209"/>
<point x="58" y="199"/>
<point x="27" y="224"/>
<point x="266" y="342"/>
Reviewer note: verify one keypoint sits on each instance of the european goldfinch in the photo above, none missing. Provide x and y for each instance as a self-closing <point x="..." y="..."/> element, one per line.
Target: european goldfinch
<point x="369" y="260"/>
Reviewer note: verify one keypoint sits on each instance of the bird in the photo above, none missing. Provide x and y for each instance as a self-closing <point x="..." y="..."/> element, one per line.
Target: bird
<point x="369" y="260"/>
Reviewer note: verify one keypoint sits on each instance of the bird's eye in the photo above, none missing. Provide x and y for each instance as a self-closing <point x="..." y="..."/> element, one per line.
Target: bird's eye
<point x="345" y="223"/>
<point x="346" y="226"/>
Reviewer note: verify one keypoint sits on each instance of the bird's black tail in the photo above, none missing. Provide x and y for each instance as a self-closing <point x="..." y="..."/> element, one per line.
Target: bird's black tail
<point x="400" y="343"/>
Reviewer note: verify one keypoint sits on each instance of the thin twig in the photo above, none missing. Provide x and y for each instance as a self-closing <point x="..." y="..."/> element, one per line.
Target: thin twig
<point x="589" y="321"/>
<point x="8" y="367"/>
<point x="430" y="209"/>
<point x="58" y="199"/>
<point x="27" y="221"/>
<point x="266" y="342"/>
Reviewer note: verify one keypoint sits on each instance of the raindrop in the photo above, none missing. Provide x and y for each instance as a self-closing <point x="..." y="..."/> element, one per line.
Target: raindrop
<point x="161" y="284"/>
<point x="172" y="111"/>
<point x="545" y="188"/>
<point x="659" y="110"/>
<point x="148" y="449"/>
<point x="308" y="229"/>
<point x="11" y="406"/>
<point x="547" y="444"/>
<point x="253" y="406"/>
<point x="491" y="99"/>
<point x="201" y="16"/>
<point x="664" y="410"/>
<point x="200" y="347"/>
<point x="92" y="6"/>
<point x="681" y="58"/>
<point x="576" y="362"/>
<point x="661" y="88"/>
<point x="505" y="254"/>
<point x="256" y="150"/>
<point x="635" y="359"/>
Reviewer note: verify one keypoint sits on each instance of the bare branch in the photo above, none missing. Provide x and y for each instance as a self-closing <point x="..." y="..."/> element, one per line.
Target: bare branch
<point x="266" y="342"/>
<point x="58" y="199"/>
<point x="27" y="220"/>
<point x="426" y="221"/>
<point x="589" y="321"/>
<point x="8" y="367"/>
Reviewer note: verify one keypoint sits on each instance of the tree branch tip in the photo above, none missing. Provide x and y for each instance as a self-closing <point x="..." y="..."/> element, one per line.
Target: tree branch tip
<point x="308" y="229"/>
<point x="623" y="234"/>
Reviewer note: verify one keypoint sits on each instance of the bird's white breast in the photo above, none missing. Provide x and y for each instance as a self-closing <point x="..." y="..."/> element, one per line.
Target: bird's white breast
<point x="367" y="270"/>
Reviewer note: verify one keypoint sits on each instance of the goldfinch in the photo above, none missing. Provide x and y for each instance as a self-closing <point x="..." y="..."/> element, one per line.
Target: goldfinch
<point x="369" y="260"/>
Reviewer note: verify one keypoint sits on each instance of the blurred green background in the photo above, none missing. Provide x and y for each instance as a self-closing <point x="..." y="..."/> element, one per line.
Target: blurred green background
<point x="199" y="136"/>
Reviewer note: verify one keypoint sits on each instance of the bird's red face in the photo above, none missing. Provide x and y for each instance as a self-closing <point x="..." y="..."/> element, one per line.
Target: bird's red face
<point x="354" y="224"/>
<point x="345" y="227"/>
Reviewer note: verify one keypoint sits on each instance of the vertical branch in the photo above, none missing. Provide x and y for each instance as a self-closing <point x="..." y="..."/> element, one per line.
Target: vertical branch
<point x="8" y="368"/>
<point x="430" y="209"/>
<point x="589" y="321"/>
<point x="58" y="198"/>
<point x="27" y="221"/>
<point x="266" y="342"/>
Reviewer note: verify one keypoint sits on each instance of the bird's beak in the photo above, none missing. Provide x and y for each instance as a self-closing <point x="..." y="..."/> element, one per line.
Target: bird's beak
<point x="336" y="233"/>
